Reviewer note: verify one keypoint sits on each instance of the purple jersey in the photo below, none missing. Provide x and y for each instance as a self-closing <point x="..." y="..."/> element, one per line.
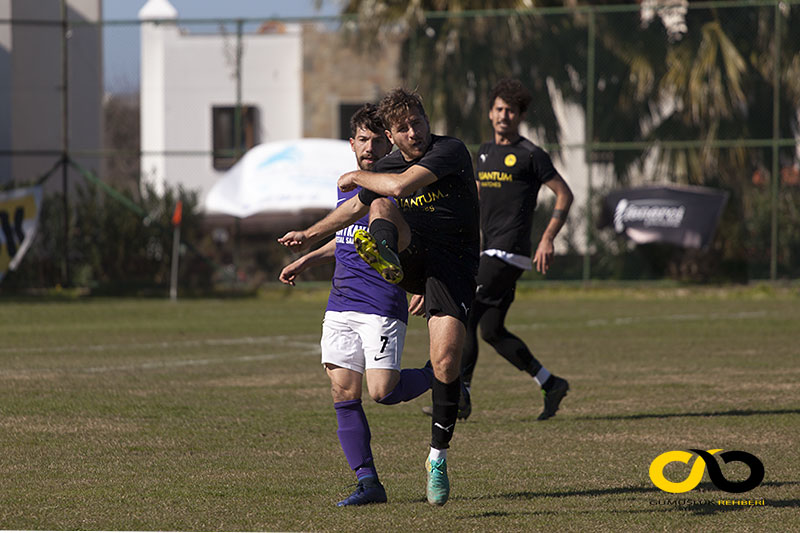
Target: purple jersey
<point x="356" y="286"/>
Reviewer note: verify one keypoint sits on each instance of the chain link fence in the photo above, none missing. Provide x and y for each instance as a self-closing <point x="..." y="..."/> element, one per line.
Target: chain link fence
<point x="157" y="110"/>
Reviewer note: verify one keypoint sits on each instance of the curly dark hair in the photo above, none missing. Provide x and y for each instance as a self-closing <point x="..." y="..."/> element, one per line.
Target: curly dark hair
<point x="397" y="105"/>
<point x="366" y="117"/>
<point x="512" y="92"/>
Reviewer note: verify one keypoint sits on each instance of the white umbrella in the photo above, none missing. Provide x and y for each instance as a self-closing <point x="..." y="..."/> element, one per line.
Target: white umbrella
<point x="282" y="176"/>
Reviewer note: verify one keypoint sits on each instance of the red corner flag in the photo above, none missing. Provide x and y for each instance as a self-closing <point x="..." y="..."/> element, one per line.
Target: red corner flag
<point x="176" y="216"/>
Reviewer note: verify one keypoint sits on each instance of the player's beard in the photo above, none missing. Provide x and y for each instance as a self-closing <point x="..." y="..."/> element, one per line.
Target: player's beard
<point x="366" y="162"/>
<point x="503" y="127"/>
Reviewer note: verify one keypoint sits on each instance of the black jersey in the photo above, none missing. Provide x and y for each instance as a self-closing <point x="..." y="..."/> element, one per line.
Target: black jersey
<point x="444" y="214"/>
<point x="510" y="177"/>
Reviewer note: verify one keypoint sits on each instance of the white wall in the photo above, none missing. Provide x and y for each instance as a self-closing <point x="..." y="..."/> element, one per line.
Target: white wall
<point x="573" y="168"/>
<point x="5" y="91"/>
<point x="184" y="75"/>
<point x="31" y="89"/>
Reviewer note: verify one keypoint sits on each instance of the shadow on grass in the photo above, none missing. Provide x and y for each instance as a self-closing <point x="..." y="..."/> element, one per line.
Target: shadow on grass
<point x="734" y="412"/>
<point x="705" y="489"/>
<point x="701" y="503"/>
<point x="785" y="503"/>
<point x="529" y="495"/>
<point x="501" y="514"/>
<point x="702" y="508"/>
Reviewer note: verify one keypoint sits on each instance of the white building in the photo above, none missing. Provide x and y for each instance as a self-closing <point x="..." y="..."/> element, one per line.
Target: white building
<point x="189" y="96"/>
<point x="31" y="88"/>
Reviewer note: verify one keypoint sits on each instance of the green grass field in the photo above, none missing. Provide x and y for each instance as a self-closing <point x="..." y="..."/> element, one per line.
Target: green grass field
<point x="216" y="415"/>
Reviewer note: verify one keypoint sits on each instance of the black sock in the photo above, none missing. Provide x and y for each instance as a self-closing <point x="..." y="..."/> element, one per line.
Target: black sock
<point x="384" y="231"/>
<point x="533" y="367"/>
<point x="445" y="410"/>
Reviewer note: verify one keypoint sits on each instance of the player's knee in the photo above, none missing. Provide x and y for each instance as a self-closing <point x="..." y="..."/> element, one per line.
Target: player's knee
<point x="446" y="367"/>
<point x="381" y="208"/>
<point x="344" y="394"/>
<point x="379" y="393"/>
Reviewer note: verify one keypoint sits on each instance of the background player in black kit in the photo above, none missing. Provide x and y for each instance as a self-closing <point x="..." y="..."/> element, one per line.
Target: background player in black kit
<point x="510" y="171"/>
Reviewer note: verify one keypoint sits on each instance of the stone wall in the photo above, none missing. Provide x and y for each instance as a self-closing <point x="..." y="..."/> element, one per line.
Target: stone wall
<point x="336" y="71"/>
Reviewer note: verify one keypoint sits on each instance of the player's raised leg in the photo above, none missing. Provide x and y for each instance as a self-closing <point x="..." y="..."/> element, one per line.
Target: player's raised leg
<point x="390" y="387"/>
<point x="382" y="340"/>
<point x="388" y="234"/>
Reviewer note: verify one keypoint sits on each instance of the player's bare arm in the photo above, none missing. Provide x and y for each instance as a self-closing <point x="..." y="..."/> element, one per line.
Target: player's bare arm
<point x="544" y="252"/>
<point x="341" y="217"/>
<point x="396" y="185"/>
<point x="320" y="256"/>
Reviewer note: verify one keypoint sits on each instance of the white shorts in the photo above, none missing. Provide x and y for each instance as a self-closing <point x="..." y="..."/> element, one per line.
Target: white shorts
<point x="357" y="341"/>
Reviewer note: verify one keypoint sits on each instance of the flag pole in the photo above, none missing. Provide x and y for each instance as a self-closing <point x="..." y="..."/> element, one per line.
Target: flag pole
<point x="176" y="247"/>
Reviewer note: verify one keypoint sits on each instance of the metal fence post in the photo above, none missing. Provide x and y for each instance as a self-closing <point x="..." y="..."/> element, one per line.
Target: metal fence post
<point x="237" y="115"/>
<point x="588" y="144"/>
<point x="776" y="104"/>
<point x="67" y="277"/>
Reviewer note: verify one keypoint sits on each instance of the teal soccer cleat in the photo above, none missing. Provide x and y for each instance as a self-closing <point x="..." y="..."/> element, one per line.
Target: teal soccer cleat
<point x="438" y="489"/>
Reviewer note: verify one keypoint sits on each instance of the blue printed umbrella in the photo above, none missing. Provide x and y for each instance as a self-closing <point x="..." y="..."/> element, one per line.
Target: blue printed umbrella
<point x="282" y="176"/>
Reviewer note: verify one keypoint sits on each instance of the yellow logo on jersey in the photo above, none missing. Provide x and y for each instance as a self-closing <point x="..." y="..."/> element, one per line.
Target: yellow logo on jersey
<point x="510" y="160"/>
<point x="421" y="200"/>
<point x="494" y="175"/>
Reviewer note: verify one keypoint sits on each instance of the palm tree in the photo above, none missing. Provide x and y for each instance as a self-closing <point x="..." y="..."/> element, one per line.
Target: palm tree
<point x="708" y="77"/>
<point x="454" y="60"/>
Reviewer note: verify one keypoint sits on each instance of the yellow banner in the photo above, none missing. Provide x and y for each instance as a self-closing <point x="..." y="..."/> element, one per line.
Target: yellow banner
<point x="19" y="221"/>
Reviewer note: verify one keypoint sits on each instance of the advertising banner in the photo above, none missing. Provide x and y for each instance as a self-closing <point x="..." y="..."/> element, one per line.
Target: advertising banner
<point x="19" y="221"/>
<point x="682" y="215"/>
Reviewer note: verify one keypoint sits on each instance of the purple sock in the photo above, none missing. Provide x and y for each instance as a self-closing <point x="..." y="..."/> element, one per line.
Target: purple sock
<point x="354" y="436"/>
<point x="413" y="382"/>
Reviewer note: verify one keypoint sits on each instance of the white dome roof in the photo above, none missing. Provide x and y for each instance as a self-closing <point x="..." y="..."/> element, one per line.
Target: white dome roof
<point x="158" y="10"/>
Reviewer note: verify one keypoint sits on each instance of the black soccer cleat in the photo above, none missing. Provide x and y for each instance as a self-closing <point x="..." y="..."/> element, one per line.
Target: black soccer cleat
<point x="553" y="397"/>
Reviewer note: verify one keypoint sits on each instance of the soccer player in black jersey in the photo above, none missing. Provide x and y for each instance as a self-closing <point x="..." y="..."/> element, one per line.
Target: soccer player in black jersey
<point x="510" y="171"/>
<point x="428" y="243"/>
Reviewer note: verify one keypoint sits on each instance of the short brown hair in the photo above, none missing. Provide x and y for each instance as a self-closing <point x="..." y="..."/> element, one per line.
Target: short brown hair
<point x="512" y="92"/>
<point x="397" y="105"/>
<point x="366" y="117"/>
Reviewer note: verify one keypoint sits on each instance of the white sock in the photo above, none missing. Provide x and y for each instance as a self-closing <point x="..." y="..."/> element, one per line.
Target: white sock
<point x="541" y="376"/>
<point x="437" y="454"/>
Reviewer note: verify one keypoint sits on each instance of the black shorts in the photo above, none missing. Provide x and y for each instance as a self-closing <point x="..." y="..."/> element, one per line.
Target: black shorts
<point x="497" y="281"/>
<point x="447" y="280"/>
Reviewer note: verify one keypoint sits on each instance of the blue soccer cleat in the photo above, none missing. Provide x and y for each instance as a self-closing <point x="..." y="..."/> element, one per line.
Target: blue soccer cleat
<point x="368" y="490"/>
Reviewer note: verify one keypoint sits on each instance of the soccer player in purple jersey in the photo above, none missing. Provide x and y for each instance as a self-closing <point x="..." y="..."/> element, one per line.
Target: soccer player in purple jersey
<point x="364" y="326"/>
<point x="427" y="243"/>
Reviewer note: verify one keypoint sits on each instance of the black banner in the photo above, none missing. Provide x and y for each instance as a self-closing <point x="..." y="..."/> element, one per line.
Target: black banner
<point x="686" y="216"/>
